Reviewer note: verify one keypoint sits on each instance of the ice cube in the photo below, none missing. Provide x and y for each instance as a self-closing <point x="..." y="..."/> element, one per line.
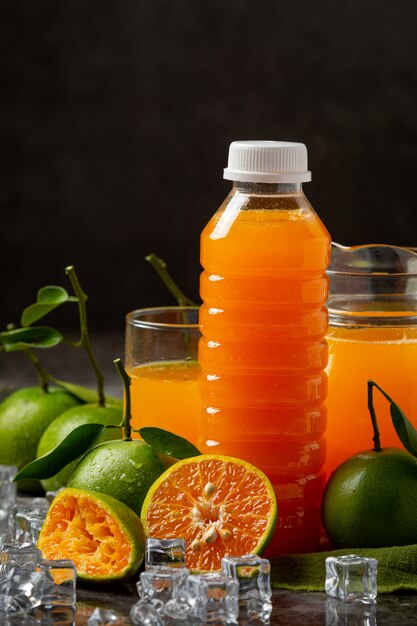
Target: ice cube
<point x="178" y="608"/>
<point x="62" y="576"/>
<point x="163" y="583"/>
<point x="21" y="590"/>
<point x="214" y="597"/>
<point x="351" y="577"/>
<point x="253" y="575"/>
<point x="139" y="589"/>
<point x="7" y="497"/>
<point x="28" y="525"/>
<point x="350" y="613"/>
<point x="28" y="517"/>
<point x="168" y="552"/>
<point x="15" y="555"/>
<point x="102" y="617"/>
<point x="7" y="473"/>
<point x="34" y="505"/>
<point x="53" y="616"/>
<point x="143" y="613"/>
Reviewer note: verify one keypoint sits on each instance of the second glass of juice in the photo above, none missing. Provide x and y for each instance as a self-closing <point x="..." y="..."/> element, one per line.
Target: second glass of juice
<point x="372" y="335"/>
<point x="161" y="359"/>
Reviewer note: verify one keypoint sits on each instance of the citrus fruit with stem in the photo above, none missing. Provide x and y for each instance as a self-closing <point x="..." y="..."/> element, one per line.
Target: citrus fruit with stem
<point x="87" y="414"/>
<point x="64" y="424"/>
<point x="220" y="505"/>
<point x="124" y="470"/>
<point x="368" y="500"/>
<point x="102" y="536"/>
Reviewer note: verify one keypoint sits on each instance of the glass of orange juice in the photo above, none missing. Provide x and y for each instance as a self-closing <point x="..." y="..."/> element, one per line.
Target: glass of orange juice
<point x="161" y="359"/>
<point x="372" y="335"/>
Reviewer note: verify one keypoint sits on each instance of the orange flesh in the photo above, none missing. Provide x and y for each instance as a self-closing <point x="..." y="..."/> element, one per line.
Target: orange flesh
<point x="176" y="385"/>
<point x="80" y="530"/>
<point x="231" y="520"/>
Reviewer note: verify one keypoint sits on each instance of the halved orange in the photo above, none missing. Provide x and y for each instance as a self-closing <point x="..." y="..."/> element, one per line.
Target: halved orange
<point x="102" y="536"/>
<point x="220" y="505"/>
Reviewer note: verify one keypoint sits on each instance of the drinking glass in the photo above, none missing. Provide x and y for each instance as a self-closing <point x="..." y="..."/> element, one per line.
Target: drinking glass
<point x="161" y="359"/>
<point x="372" y="335"/>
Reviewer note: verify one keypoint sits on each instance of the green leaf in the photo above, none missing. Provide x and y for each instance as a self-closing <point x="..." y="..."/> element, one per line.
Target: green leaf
<point x="52" y="294"/>
<point x="71" y="448"/>
<point x="34" y="337"/>
<point x="404" y="428"/>
<point x="48" y="298"/>
<point x="83" y="393"/>
<point x="163" y="441"/>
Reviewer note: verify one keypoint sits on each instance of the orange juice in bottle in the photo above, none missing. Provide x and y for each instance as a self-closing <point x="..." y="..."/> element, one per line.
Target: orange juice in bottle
<point x="263" y="321"/>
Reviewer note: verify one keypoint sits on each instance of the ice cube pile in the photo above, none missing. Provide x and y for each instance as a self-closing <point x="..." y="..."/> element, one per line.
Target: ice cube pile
<point x="29" y="583"/>
<point x="168" y="592"/>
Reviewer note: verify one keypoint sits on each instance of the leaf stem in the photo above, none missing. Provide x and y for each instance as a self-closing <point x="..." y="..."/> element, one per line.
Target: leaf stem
<point x="41" y="371"/>
<point x="376" y="438"/>
<point x="73" y="344"/>
<point x="85" y="339"/>
<point x="384" y="393"/>
<point x="127" y="414"/>
<point x="160" y="267"/>
<point x="43" y="375"/>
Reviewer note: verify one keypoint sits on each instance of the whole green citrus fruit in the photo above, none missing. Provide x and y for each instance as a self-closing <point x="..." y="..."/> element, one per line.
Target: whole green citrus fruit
<point x="124" y="470"/>
<point x="24" y="415"/>
<point x="369" y="500"/>
<point x="64" y="424"/>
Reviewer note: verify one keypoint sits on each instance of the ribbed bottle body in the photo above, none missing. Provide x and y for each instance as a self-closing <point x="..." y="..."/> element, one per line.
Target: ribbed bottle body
<point x="263" y="350"/>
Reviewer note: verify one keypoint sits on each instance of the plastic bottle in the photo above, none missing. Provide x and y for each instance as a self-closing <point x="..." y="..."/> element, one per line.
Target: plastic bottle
<point x="264" y="321"/>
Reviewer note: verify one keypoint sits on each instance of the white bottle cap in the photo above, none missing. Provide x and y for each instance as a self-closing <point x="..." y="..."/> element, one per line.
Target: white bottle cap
<point x="267" y="162"/>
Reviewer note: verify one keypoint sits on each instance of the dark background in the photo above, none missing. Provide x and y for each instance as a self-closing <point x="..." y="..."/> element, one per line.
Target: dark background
<point x="116" y="118"/>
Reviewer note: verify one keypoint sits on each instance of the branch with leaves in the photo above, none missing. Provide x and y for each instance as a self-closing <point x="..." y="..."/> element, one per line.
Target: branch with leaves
<point x="31" y="337"/>
<point x="86" y="436"/>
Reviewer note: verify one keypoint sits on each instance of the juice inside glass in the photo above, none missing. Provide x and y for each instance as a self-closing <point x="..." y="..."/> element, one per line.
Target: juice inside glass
<point x="372" y="335"/>
<point x="161" y="359"/>
<point x="263" y="349"/>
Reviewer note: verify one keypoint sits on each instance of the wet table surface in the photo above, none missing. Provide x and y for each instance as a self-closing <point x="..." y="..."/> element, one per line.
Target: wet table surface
<point x="289" y="608"/>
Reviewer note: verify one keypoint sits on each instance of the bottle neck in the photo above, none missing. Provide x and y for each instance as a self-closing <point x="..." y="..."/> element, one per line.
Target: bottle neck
<point x="267" y="189"/>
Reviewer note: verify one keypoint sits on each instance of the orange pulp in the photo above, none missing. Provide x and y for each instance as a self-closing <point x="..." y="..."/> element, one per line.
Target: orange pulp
<point x="221" y="506"/>
<point x="167" y="395"/>
<point x="387" y="355"/>
<point x="78" y="528"/>
<point x="263" y="351"/>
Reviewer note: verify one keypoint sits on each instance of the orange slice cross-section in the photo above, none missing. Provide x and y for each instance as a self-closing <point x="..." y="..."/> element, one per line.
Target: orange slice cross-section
<point x="220" y="505"/>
